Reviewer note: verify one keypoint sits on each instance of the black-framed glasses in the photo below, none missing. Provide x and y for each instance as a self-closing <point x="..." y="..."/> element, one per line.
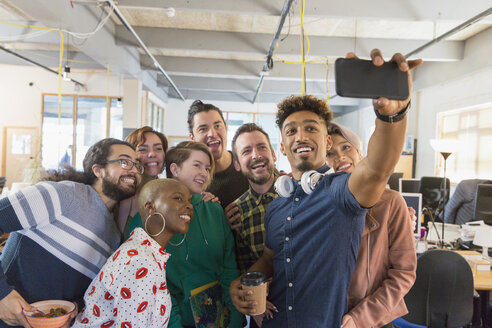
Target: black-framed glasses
<point x="127" y="164"/>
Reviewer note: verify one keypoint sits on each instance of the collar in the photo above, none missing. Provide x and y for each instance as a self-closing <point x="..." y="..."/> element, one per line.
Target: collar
<point x="269" y="195"/>
<point x="144" y="240"/>
<point x="371" y="224"/>
<point x="323" y="169"/>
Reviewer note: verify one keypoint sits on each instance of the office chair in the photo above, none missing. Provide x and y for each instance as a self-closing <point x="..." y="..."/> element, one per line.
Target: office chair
<point x="432" y="190"/>
<point x="394" y="180"/>
<point x="483" y="205"/>
<point x="442" y="295"/>
<point x="2" y="183"/>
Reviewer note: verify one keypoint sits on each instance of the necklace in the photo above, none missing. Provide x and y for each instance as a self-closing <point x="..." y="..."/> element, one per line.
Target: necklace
<point x="175" y="245"/>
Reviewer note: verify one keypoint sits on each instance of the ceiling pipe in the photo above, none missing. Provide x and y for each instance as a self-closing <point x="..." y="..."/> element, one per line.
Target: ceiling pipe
<point x="147" y="51"/>
<point x="38" y="64"/>
<point x="458" y="28"/>
<point x="267" y="66"/>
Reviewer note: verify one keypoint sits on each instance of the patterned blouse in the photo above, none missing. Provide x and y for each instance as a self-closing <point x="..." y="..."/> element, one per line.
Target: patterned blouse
<point x="130" y="290"/>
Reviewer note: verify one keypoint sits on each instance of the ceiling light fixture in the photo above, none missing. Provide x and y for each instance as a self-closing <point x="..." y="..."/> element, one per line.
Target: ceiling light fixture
<point x="170" y="12"/>
<point x="66" y="73"/>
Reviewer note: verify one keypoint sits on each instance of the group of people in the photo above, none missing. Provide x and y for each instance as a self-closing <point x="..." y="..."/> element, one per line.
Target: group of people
<point x="128" y="247"/>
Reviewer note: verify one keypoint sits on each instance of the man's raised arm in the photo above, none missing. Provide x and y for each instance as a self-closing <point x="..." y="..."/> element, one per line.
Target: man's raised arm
<point x="369" y="178"/>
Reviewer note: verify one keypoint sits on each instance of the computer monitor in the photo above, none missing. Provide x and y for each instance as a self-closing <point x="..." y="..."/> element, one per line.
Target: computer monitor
<point x="414" y="200"/>
<point x="394" y="180"/>
<point x="409" y="185"/>
<point x="483" y="207"/>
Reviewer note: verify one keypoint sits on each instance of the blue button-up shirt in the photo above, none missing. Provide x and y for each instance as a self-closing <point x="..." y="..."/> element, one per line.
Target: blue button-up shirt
<point x="315" y="238"/>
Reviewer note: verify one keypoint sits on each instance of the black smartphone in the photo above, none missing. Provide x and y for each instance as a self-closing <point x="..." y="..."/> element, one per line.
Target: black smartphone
<point x="361" y="79"/>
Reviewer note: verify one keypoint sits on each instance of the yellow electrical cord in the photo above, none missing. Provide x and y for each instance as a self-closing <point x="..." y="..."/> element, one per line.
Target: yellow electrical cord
<point x="301" y="35"/>
<point x="107" y="84"/>
<point x="327" y="84"/>
<point x="66" y="59"/>
<point x="60" y="65"/>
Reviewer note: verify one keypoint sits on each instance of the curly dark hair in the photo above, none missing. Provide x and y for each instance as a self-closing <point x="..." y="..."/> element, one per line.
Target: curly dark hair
<point x="64" y="172"/>
<point x="309" y="103"/>
<point x="197" y="107"/>
<point x="98" y="154"/>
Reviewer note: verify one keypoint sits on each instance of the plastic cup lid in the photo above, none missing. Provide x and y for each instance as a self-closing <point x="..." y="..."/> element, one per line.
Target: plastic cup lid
<point x="253" y="278"/>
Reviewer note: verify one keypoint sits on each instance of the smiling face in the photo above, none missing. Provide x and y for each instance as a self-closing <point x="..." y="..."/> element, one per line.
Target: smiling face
<point x="194" y="172"/>
<point x="304" y="141"/>
<point x="255" y="158"/>
<point x="343" y="156"/>
<point x="151" y="154"/>
<point x="118" y="183"/>
<point x="174" y="203"/>
<point x="209" y="128"/>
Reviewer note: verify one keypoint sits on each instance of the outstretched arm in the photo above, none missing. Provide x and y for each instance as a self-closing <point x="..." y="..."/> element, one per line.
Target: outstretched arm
<point x="369" y="178"/>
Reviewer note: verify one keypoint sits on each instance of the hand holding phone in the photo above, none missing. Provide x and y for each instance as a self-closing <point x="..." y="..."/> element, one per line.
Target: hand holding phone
<point x="362" y="79"/>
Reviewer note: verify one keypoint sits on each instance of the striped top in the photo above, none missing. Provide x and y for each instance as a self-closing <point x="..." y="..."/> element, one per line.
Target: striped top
<point x="61" y="235"/>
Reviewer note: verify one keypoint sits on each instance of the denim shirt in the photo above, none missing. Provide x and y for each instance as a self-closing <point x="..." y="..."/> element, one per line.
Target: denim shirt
<point x="315" y="238"/>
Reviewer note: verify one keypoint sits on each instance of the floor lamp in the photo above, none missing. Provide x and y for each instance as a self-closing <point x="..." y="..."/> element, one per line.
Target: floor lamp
<point x="445" y="155"/>
<point x="445" y="147"/>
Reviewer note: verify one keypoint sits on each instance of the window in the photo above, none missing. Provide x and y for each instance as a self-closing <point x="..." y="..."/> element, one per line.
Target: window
<point x="84" y="121"/>
<point x="155" y="118"/>
<point x="266" y="121"/>
<point x="473" y="130"/>
<point x="234" y="121"/>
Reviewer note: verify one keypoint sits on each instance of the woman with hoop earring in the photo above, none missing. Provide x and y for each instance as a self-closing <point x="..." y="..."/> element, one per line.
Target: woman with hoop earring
<point x="131" y="288"/>
<point x="206" y="253"/>
<point x="151" y="147"/>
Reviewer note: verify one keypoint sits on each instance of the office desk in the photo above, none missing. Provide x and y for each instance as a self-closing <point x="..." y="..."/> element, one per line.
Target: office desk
<point x="482" y="279"/>
<point x="482" y="282"/>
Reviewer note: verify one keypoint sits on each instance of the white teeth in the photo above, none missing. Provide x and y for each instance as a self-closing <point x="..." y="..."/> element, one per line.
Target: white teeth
<point x="128" y="180"/>
<point x="213" y="143"/>
<point x="303" y="149"/>
<point x="344" y="166"/>
<point x="185" y="217"/>
<point x="152" y="164"/>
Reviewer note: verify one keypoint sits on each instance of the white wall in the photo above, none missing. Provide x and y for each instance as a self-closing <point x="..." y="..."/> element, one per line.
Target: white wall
<point x="469" y="91"/>
<point x="176" y="113"/>
<point x="20" y="104"/>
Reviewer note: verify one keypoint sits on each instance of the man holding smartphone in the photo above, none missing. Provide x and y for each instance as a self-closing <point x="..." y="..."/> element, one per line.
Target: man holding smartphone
<point x="312" y="239"/>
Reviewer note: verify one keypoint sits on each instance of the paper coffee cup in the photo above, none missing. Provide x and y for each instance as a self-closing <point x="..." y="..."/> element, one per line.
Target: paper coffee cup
<point x="256" y="282"/>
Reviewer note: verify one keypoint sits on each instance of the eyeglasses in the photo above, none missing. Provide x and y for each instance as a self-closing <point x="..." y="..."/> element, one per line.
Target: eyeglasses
<point x="127" y="164"/>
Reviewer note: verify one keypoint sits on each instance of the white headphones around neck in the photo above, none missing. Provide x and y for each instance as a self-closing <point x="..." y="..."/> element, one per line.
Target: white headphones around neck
<point x="309" y="181"/>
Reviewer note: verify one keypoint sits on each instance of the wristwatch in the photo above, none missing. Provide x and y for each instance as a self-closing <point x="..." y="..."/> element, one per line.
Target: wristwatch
<point x="395" y="117"/>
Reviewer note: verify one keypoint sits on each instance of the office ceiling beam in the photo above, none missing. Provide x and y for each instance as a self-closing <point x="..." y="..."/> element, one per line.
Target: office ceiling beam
<point x="246" y="87"/>
<point x="249" y="43"/>
<point x="414" y="10"/>
<point x="206" y="67"/>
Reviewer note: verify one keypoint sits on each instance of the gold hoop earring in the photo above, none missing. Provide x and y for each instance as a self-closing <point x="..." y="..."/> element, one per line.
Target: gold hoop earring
<point x="163" y="224"/>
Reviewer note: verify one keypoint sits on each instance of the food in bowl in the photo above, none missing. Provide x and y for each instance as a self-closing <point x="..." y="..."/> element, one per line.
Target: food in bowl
<point x="54" y="312"/>
<point x="36" y="321"/>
